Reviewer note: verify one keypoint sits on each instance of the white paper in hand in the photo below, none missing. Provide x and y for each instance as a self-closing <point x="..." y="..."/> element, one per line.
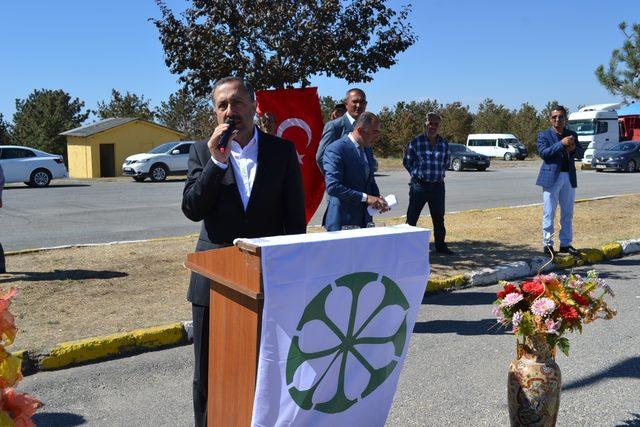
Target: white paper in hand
<point x="391" y="201"/>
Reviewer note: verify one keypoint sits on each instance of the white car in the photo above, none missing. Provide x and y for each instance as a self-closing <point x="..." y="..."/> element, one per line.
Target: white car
<point x="170" y="158"/>
<point x="33" y="167"/>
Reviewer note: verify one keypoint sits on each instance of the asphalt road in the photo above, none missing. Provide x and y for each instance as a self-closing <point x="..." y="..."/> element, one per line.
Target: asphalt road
<point x="455" y="373"/>
<point x="97" y="211"/>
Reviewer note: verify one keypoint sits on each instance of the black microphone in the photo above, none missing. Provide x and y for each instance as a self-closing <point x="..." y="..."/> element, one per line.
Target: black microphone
<point x="224" y="139"/>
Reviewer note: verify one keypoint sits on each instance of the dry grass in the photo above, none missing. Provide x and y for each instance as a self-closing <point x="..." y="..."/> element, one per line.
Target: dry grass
<point x="69" y="294"/>
<point x="389" y="164"/>
<point x="76" y="293"/>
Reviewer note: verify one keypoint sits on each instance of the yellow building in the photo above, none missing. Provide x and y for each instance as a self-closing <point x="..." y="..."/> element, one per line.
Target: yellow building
<point x="99" y="149"/>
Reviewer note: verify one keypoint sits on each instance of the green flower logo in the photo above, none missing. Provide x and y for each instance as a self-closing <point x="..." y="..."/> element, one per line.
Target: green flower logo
<point x="346" y="357"/>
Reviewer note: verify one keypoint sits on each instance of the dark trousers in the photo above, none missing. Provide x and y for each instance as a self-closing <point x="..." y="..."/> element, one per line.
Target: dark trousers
<point x="2" y="264"/>
<point x="201" y="367"/>
<point x="420" y="193"/>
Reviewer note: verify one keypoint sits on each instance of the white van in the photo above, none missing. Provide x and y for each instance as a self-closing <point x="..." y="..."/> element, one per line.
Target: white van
<point x="504" y="145"/>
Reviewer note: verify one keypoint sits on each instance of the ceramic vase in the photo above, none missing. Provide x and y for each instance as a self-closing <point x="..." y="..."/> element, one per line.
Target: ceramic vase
<point x="534" y="384"/>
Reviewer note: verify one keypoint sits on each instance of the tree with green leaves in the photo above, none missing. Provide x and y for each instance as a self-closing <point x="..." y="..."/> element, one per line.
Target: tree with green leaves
<point x="622" y="77"/>
<point x="327" y="104"/>
<point x="192" y="115"/>
<point x="400" y="124"/>
<point x="281" y="43"/>
<point x="525" y="124"/>
<point x="491" y="118"/>
<point x="5" y="131"/>
<point x="127" y="105"/>
<point x="457" y="122"/>
<point x="39" y="119"/>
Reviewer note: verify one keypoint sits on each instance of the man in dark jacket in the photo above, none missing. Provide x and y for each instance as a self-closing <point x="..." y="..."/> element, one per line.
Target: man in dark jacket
<point x="251" y="188"/>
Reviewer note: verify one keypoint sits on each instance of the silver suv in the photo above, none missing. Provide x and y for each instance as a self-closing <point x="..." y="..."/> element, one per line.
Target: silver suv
<point x="170" y="158"/>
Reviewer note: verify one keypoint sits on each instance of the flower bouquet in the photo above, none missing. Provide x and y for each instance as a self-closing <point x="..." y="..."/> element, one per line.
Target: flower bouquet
<point x="539" y="312"/>
<point x="551" y="305"/>
<point x="16" y="409"/>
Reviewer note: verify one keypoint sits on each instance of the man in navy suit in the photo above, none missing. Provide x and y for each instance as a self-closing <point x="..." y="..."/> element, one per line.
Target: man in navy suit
<point x="356" y="103"/>
<point x="349" y="177"/>
<point x="558" y="147"/>
<point x="251" y="188"/>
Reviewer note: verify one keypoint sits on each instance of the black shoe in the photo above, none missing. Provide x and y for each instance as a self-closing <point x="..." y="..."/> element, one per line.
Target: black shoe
<point x="445" y="250"/>
<point x="549" y="251"/>
<point x="3" y="271"/>
<point x="570" y="250"/>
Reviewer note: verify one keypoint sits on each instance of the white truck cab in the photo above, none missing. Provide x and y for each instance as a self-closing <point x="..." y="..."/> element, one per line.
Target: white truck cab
<point x="596" y="126"/>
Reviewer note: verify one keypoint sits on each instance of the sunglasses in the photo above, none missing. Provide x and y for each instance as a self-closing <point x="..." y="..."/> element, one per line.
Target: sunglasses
<point x="557" y="117"/>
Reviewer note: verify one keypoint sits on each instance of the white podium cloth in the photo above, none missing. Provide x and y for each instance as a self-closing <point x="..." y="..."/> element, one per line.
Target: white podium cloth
<point x="339" y="311"/>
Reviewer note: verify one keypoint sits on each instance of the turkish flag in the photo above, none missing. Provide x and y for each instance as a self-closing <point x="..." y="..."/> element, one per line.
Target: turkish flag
<point x="298" y="119"/>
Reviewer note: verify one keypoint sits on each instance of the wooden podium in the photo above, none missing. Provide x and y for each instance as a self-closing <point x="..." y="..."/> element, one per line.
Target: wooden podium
<point x="234" y="330"/>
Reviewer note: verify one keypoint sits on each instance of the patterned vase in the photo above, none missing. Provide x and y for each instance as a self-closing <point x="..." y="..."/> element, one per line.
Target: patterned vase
<point x="534" y="384"/>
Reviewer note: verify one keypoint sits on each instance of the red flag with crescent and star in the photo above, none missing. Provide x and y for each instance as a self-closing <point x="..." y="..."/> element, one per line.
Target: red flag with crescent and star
<point x="298" y="119"/>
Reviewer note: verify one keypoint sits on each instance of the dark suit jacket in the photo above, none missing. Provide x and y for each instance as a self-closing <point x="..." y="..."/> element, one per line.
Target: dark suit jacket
<point x="211" y="195"/>
<point x="346" y="180"/>
<point x="553" y="153"/>
<point x="333" y="131"/>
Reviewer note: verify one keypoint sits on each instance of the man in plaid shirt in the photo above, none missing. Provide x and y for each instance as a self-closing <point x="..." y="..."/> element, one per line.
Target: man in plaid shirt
<point x="427" y="159"/>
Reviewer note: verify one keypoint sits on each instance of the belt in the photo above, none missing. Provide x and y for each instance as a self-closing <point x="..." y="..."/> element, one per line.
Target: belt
<point x="424" y="181"/>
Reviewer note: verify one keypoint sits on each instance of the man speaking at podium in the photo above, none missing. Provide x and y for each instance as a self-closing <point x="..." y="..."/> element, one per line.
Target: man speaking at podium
<point x="241" y="183"/>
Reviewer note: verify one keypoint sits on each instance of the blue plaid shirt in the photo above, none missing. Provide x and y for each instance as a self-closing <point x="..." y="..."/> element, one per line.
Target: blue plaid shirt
<point x="426" y="161"/>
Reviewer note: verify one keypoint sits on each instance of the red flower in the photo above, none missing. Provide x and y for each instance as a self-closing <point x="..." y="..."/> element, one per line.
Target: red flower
<point x="580" y="299"/>
<point x="533" y="288"/>
<point x="508" y="288"/>
<point x="567" y="312"/>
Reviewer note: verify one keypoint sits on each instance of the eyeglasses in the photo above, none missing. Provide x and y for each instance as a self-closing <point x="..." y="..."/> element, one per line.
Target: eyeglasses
<point x="557" y="117"/>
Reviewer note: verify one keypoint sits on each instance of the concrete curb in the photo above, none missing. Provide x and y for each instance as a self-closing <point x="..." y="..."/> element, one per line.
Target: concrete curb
<point x="79" y="352"/>
<point x="88" y="245"/>
<point x="73" y="353"/>
<point x="522" y="269"/>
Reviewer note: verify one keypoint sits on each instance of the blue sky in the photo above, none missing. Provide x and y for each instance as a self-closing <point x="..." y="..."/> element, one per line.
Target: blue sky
<point x="511" y="51"/>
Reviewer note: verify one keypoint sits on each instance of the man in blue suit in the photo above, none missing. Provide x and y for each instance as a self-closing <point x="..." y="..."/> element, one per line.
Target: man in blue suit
<point x="349" y="177"/>
<point x="558" y="147"/>
<point x="356" y="103"/>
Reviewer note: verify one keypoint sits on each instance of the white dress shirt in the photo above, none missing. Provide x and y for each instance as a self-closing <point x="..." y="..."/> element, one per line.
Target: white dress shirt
<point x="245" y="163"/>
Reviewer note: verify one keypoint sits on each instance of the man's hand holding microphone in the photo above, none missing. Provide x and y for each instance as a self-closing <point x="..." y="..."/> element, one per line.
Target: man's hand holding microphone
<point x="220" y="138"/>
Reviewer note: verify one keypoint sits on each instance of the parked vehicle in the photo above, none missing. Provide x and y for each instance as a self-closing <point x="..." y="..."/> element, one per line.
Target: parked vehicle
<point x="170" y="158"/>
<point x="624" y="156"/>
<point x="502" y="145"/>
<point x="33" y="167"/>
<point x="463" y="158"/>
<point x="597" y="127"/>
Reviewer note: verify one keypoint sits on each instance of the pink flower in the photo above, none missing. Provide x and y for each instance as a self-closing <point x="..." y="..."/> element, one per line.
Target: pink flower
<point x="516" y="319"/>
<point x="508" y="288"/>
<point x="543" y="307"/>
<point x="497" y="311"/>
<point x="552" y="327"/>
<point x="511" y="299"/>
